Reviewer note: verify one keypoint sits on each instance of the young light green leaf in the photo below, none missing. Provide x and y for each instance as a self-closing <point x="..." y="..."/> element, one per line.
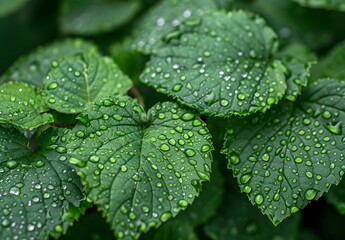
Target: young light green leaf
<point x="333" y="65"/>
<point x="325" y="4"/>
<point x="294" y="153"/>
<point x="9" y="6"/>
<point x="88" y="17"/>
<point x="37" y="190"/>
<point x="164" y="18"/>
<point x="34" y="67"/>
<point x="140" y="168"/>
<point x="336" y="196"/>
<point x="23" y="106"/>
<point x="76" y="81"/>
<point x="298" y="59"/>
<point x="220" y="65"/>
<point x="238" y="219"/>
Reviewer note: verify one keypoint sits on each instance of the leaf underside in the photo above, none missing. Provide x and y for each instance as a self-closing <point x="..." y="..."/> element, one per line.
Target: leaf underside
<point x="294" y="153"/>
<point x="34" y="67"/>
<point x="76" y="81"/>
<point x="23" y="106"/>
<point x="37" y="191"/>
<point x="220" y="65"/>
<point x="140" y="169"/>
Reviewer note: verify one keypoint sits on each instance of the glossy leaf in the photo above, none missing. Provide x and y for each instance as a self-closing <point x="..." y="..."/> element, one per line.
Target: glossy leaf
<point x="326" y="4"/>
<point x="9" y="6"/>
<point x="23" y="106"/>
<point x="238" y="219"/>
<point x="140" y="168"/>
<point x="37" y="190"/>
<point x="34" y="67"/>
<point x="164" y="18"/>
<point x="298" y="59"/>
<point x="220" y="65"/>
<point x="76" y="81"/>
<point x="294" y="153"/>
<point x="85" y="17"/>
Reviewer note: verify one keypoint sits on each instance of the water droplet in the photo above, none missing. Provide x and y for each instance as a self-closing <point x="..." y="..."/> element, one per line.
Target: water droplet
<point x="164" y="147"/>
<point x="189" y="152"/>
<point x="94" y="159"/>
<point x="334" y="127"/>
<point x="77" y="162"/>
<point x="259" y="199"/>
<point x="165" y="217"/>
<point x="326" y="115"/>
<point x="310" y="194"/>
<point x="224" y="103"/>
<point x="39" y="164"/>
<point x="15" y="191"/>
<point x="187" y="116"/>
<point x="245" y="178"/>
<point x="183" y="203"/>
<point x="123" y="168"/>
<point x="241" y="96"/>
<point x="11" y="164"/>
<point x="234" y="158"/>
<point x="80" y="134"/>
<point x="52" y="86"/>
<point x="77" y="74"/>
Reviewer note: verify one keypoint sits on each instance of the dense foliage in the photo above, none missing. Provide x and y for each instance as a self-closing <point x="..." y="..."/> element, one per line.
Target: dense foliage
<point x="172" y="119"/>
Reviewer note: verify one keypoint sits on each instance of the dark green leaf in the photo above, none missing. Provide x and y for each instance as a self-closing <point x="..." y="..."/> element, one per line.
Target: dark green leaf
<point x="95" y="16"/>
<point x="140" y="168"/>
<point x="38" y="191"/>
<point x="316" y="28"/>
<point x="76" y="81"/>
<point x="34" y="67"/>
<point x="294" y="153"/>
<point x="333" y="65"/>
<point x="164" y="18"/>
<point x="9" y="6"/>
<point x="326" y="4"/>
<point x="23" y="106"/>
<point x="238" y="219"/>
<point x="220" y="64"/>
<point x="299" y="60"/>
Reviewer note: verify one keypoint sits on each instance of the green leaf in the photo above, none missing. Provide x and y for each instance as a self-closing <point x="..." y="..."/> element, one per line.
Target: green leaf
<point x="140" y="168"/>
<point x="37" y="190"/>
<point x="34" y="67"/>
<point x="220" y="64"/>
<point x="326" y="4"/>
<point x="294" y="153"/>
<point x="206" y="204"/>
<point x="333" y="65"/>
<point x="76" y="81"/>
<point x="299" y="60"/>
<point x="164" y="18"/>
<point x="173" y="230"/>
<point x="316" y="28"/>
<point x="9" y="6"/>
<point x="88" y="17"/>
<point x="336" y="196"/>
<point x="238" y="219"/>
<point x="23" y="106"/>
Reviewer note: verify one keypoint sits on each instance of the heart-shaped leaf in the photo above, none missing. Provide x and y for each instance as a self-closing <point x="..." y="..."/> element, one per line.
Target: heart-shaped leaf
<point x="23" y="106"/>
<point x="220" y="64"/>
<point x="94" y="16"/>
<point x="140" y="168"/>
<point x="294" y="153"/>
<point x="34" y="67"/>
<point x="163" y="18"/>
<point x="76" y="81"/>
<point x="37" y="191"/>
